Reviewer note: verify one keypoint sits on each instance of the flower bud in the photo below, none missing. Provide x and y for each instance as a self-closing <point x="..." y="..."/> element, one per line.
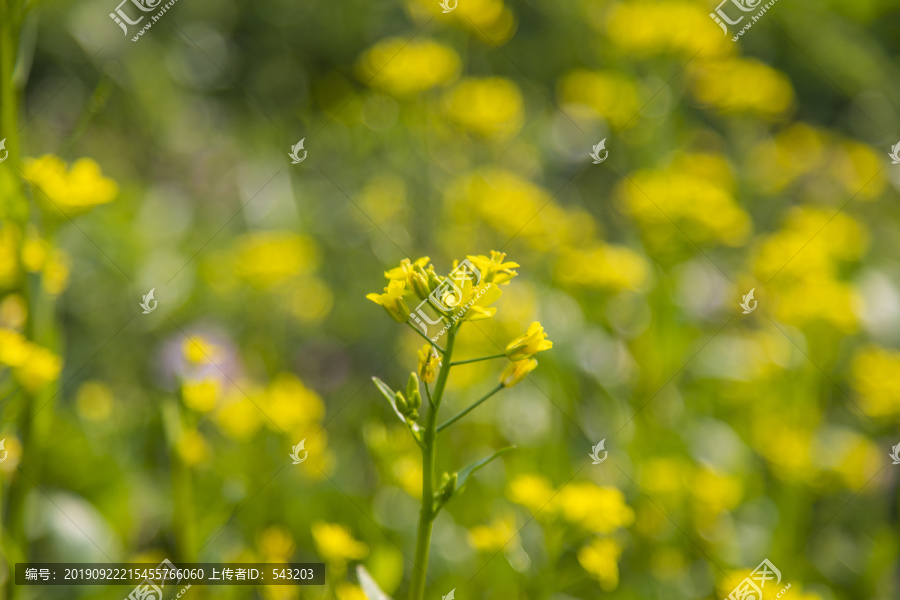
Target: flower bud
<point x="402" y="404"/>
<point x="418" y="281"/>
<point x="412" y="392"/>
<point x="448" y="486"/>
<point x="428" y="363"/>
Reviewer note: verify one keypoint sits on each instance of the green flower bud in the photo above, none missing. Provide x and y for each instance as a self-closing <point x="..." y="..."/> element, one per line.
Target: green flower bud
<point x="412" y="392"/>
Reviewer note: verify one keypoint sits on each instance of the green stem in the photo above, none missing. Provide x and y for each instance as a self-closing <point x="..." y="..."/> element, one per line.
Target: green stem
<point x="474" y="360"/>
<point x="427" y="339"/>
<point x="427" y="512"/>
<point x="471" y="408"/>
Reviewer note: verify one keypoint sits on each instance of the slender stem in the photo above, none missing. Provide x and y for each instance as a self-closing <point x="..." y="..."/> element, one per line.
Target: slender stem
<point x="473" y="360"/>
<point x="427" y="512"/>
<point x="442" y="351"/>
<point x="470" y="409"/>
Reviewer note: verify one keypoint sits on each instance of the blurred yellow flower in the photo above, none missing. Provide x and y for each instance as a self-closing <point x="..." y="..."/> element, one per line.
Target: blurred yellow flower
<point x="34" y="251"/>
<point x="610" y="95"/>
<point x="240" y="418"/>
<point x="201" y="395"/>
<point x="531" y="491"/>
<point x="530" y="343"/>
<point x="33" y="365"/>
<point x="599" y="558"/>
<point x="71" y="189"/>
<point x="392" y="300"/>
<point x="694" y="191"/>
<point x="276" y="543"/>
<point x="335" y="543"/>
<point x="428" y="363"/>
<point x="491" y="107"/>
<point x="493" y="537"/>
<point x="490" y="20"/>
<point x="644" y="27"/>
<point x="349" y="591"/>
<point x="290" y="404"/>
<point x="270" y="258"/>
<point x="94" y="400"/>
<point x="597" y="509"/>
<point x="13" y="312"/>
<point x="602" y="266"/>
<point x="516" y="371"/>
<point x="722" y="84"/>
<point x="192" y="448"/>
<point x="875" y="375"/>
<point x="407" y="471"/>
<point x="715" y="493"/>
<point x="198" y="350"/>
<point x="55" y="276"/>
<point x="404" y="68"/>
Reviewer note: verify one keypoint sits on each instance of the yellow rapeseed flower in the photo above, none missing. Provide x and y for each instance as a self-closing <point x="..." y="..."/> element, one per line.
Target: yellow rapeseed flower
<point x="490" y="20"/>
<point x="33" y="365"/>
<point x="276" y="543"/>
<point x="392" y="300"/>
<point x="201" y="395"/>
<point x="71" y="189"/>
<point x="335" y="543"/>
<point x="494" y="269"/>
<point x="669" y="27"/>
<point x="722" y="84"/>
<point x="612" y="96"/>
<point x="404" y="68"/>
<point x="493" y="537"/>
<point x="239" y="418"/>
<point x="270" y="258"/>
<point x="597" y="509"/>
<point x="600" y="560"/>
<point x="428" y="363"/>
<point x="603" y="266"/>
<point x="197" y="350"/>
<point x="875" y="375"/>
<point x="516" y="371"/>
<point x="530" y="343"/>
<point x="290" y="404"/>
<point x="491" y="107"/>
<point x="531" y="491"/>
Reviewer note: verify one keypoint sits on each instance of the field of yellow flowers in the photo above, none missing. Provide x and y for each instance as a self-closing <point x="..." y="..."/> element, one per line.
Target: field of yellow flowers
<point x="469" y="299"/>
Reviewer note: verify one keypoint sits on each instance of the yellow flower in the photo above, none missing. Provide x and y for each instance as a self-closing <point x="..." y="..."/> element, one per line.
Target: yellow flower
<point x="349" y="591"/>
<point x="94" y="401"/>
<point x="335" y="543"/>
<point x="56" y="272"/>
<point x="270" y="258"/>
<point x="192" y="448"/>
<point x="14" y="348"/>
<point x="529" y="344"/>
<point x="198" y="350"/>
<point x="721" y="83"/>
<point x="644" y="28"/>
<point x="34" y="365"/>
<point x="276" y="543"/>
<point x="599" y="558"/>
<point x="240" y="418"/>
<point x="200" y="395"/>
<point x="290" y="404"/>
<point x="78" y="188"/>
<point x="516" y="371"/>
<point x="403" y="68"/>
<point x="602" y="265"/>
<point x="594" y="508"/>
<point x="493" y="537"/>
<point x="490" y="107"/>
<point x="9" y="255"/>
<point x="34" y="251"/>
<point x="875" y="373"/>
<point x="532" y="491"/>
<point x="611" y="95"/>
<point x="494" y="269"/>
<point x="490" y="20"/>
<point x="406" y="268"/>
<point x="414" y="274"/>
<point x="428" y="362"/>
<point x="392" y="300"/>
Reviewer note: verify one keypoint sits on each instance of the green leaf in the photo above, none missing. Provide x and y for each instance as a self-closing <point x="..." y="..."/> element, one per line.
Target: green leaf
<point x="464" y="473"/>
<point x="368" y="585"/>
<point x="388" y="393"/>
